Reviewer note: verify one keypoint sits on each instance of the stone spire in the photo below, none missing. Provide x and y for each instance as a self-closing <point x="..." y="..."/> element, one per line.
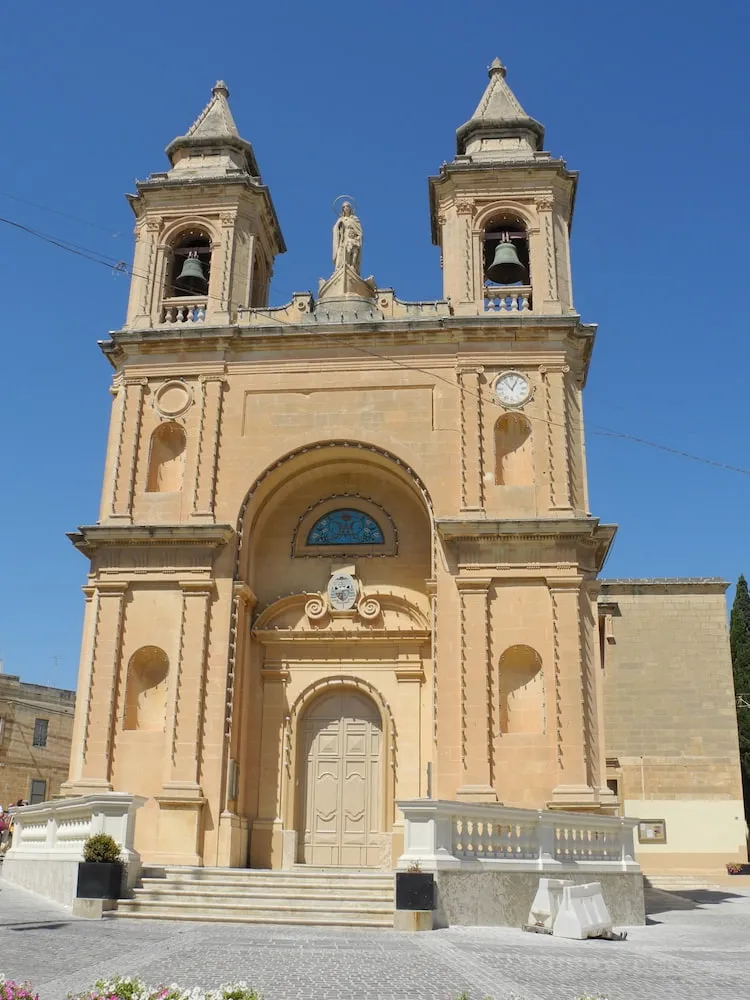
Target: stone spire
<point x="215" y="135"/>
<point x="499" y="129"/>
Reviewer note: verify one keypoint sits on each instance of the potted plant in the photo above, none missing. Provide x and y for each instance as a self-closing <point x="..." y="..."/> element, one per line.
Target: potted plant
<point x="737" y="868"/>
<point x="100" y="872"/>
<point x="415" y="889"/>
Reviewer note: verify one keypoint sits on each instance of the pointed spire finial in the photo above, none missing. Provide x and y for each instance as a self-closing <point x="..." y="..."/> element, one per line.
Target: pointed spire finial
<point x="499" y="117"/>
<point x="496" y="66"/>
<point x="215" y="127"/>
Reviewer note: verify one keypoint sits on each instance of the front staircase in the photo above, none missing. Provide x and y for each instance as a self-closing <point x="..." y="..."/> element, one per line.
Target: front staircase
<point x="319" y="896"/>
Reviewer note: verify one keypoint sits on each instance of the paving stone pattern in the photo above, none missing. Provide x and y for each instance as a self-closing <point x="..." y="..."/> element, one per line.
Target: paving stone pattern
<point x="695" y="946"/>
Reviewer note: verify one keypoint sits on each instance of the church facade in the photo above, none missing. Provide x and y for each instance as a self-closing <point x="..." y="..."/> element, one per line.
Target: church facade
<point x="345" y="555"/>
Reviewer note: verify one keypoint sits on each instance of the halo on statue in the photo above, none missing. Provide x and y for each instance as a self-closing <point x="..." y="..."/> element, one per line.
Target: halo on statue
<point x="341" y="199"/>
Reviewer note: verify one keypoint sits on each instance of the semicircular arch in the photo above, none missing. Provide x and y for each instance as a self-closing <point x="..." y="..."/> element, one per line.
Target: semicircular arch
<point x="280" y="471"/>
<point x="512" y="209"/>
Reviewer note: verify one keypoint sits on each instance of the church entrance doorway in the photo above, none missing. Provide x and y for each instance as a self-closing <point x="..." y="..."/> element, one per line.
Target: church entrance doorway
<point x="340" y="805"/>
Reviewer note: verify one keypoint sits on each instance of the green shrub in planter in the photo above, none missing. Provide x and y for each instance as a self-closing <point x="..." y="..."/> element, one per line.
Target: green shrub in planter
<point x="101" y="849"/>
<point x="100" y="873"/>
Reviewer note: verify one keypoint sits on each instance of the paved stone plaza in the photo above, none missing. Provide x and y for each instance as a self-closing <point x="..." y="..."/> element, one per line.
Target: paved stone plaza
<point x="695" y="946"/>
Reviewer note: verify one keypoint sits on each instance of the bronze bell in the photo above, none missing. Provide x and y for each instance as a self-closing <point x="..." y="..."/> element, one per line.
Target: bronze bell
<point x="191" y="280"/>
<point x="506" y="268"/>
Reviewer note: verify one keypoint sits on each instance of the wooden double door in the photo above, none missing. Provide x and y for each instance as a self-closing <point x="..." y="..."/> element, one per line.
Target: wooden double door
<point x="341" y="782"/>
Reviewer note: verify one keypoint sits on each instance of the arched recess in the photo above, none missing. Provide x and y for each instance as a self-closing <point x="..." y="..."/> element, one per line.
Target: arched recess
<point x="146" y="690"/>
<point x="283" y="492"/>
<point x="514" y="460"/>
<point x="322" y="452"/>
<point x="521" y="686"/>
<point x="166" y="464"/>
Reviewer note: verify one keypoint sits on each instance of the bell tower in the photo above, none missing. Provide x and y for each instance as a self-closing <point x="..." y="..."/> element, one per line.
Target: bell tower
<point x="501" y="212"/>
<point x="206" y="230"/>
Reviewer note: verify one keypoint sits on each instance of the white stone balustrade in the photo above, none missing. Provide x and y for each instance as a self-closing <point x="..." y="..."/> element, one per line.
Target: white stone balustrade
<point x="184" y="310"/>
<point x="48" y="841"/>
<point x="515" y="298"/>
<point x="442" y="836"/>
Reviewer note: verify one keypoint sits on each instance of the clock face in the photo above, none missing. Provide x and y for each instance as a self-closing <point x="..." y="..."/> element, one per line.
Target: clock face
<point x="512" y="388"/>
<point x="342" y="592"/>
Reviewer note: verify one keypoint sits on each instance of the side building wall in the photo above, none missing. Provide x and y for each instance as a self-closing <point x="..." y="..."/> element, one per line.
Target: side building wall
<point x="24" y="766"/>
<point x="670" y="721"/>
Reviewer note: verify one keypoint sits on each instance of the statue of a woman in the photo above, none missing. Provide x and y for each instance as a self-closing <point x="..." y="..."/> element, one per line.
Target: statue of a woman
<point x="347" y="239"/>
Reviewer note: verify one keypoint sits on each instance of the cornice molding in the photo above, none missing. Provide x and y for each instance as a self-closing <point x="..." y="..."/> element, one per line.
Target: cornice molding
<point x="455" y="528"/>
<point x="89" y="538"/>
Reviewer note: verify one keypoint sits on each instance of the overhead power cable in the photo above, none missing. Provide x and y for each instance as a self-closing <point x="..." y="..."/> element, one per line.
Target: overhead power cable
<point x="120" y="267"/>
<point x="63" y="215"/>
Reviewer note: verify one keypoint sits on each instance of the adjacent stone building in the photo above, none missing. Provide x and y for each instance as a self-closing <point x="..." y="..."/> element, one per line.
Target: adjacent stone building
<point x="36" y="726"/>
<point x="345" y="554"/>
<point x="670" y="721"/>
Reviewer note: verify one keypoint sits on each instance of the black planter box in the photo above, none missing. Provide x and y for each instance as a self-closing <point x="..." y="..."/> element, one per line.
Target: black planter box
<point x="99" y="880"/>
<point x="415" y="891"/>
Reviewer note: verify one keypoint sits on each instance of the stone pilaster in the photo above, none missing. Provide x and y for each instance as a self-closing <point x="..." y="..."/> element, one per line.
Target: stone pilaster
<point x="145" y="289"/>
<point x="189" y="689"/>
<point x="181" y="801"/>
<point x="472" y="458"/>
<point x="476" y="690"/>
<point x="85" y="669"/>
<point x="204" y="487"/>
<point x="409" y="776"/>
<point x="544" y="260"/>
<point x="128" y="445"/>
<point x="105" y="622"/>
<point x="219" y="306"/>
<point x="558" y="438"/>
<point x="572" y="787"/>
<point x="267" y="841"/>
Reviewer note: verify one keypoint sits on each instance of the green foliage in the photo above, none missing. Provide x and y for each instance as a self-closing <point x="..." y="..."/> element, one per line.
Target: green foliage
<point x="739" y="641"/>
<point x="101" y="848"/>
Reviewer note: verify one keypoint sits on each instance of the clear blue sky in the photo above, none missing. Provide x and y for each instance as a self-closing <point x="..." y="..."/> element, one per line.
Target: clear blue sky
<point x="648" y="100"/>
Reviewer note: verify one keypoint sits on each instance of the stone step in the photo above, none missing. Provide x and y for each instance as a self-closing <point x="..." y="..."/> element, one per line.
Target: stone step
<point x="237" y="878"/>
<point x="677" y="882"/>
<point x="330" y="917"/>
<point x="264" y="891"/>
<point x="271" y="887"/>
<point x="197" y="894"/>
<point x="322" y="896"/>
<point x="296" y="874"/>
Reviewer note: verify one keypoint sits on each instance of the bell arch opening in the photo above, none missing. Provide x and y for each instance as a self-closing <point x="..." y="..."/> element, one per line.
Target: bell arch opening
<point x="505" y="251"/>
<point x="189" y="264"/>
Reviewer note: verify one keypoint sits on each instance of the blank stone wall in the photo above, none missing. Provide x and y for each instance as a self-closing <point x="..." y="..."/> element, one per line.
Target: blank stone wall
<point x="670" y="720"/>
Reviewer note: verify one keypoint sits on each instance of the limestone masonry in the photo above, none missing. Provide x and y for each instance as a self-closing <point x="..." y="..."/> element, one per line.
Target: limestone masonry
<point x="345" y="555"/>
<point x="36" y="724"/>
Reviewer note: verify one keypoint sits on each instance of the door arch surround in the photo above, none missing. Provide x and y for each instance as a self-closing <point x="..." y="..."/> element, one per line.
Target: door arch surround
<point x="342" y="787"/>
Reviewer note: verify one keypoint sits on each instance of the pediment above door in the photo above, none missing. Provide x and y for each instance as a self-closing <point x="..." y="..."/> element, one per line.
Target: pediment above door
<point x="375" y="615"/>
